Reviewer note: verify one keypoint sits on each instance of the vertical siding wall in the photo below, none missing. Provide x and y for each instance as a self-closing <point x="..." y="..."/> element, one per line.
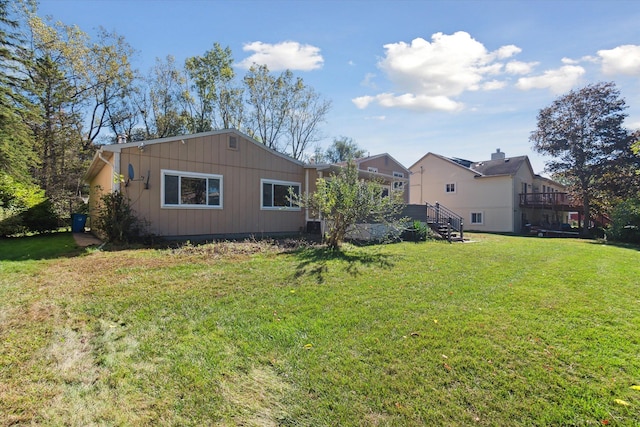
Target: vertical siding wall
<point x="101" y="184"/>
<point x="242" y="169"/>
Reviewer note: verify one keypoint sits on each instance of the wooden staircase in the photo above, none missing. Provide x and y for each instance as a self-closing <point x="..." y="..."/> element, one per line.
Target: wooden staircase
<point x="445" y="223"/>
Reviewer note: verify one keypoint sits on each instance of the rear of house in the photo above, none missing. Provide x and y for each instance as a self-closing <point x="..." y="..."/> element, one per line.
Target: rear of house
<point x="213" y="184"/>
<point x="492" y="195"/>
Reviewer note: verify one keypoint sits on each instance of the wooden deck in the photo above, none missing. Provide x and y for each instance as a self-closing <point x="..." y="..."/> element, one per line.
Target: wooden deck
<point x="552" y="201"/>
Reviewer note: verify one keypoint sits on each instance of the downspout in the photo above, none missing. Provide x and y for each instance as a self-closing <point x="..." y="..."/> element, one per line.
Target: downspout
<point x="421" y="175"/>
<point x="306" y="195"/>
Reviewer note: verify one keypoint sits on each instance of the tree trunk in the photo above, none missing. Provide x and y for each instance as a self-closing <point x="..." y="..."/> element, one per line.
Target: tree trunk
<point x="586" y="207"/>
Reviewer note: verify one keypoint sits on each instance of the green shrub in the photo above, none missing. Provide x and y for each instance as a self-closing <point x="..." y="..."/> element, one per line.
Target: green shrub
<point x="11" y="225"/>
<point x="20" y="208"/>
<point x="116" y="221"/>
<point x="41" y="218"/>
<point x="625" y="222"/>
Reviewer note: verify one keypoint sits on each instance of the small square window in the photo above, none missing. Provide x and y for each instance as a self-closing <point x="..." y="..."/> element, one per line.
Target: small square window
<point x="398" y="183"/>
<point x="450" y="188"/>
<point x="233" y="143"/>
<point x="476" y="217"/>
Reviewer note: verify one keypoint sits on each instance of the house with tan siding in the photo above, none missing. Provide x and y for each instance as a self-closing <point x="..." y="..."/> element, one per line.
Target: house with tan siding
<point x="502" y="194"/>
<point x="215" y="184"/>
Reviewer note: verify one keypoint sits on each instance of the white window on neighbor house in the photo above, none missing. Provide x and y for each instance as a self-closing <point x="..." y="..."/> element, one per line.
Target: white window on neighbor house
<point x="372" y="169"/>
<point x="190" y="190"/>
<point x="276" y="195"/>
<point x="398" y="184"/>
<point x="450" y="188"/>
<point x="476" y="218"/>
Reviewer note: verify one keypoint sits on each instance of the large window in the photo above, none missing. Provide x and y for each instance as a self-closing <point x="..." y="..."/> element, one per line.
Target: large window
<point x="275" y="194"/>
<point x="191" y="190"/>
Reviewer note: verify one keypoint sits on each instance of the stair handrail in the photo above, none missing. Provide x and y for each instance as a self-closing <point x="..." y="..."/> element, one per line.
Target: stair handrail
<point x="441" y="215"/>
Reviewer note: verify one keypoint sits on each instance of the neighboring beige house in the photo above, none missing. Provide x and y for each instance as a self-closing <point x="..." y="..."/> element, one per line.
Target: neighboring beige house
<point x="214" y="184"/>
<point x="498" y="195"/>
<point x="383" y="167"/>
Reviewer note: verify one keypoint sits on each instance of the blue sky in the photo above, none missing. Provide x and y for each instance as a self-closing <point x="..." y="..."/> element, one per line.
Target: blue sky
<point x="457" y="78"/>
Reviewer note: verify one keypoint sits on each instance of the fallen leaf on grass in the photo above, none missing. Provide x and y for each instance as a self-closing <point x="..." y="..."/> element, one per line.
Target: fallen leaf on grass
<point x="308" y="346"/>
<point x="605" y="422"/>
<point x="635" y="387"/>
<point x="446" y="366"/>
<point x="622" y="402"/>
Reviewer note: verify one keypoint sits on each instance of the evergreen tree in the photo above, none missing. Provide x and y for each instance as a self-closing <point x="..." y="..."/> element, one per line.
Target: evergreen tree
<point x="17" y="156"/>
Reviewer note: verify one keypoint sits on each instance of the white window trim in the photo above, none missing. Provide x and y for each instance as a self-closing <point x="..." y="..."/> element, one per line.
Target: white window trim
<point x="455" y="188"/>
<point x="481" y="217"/>
<point x="181" y="174"/>
<point x="398" y="184"/>
<point x="278" y="182"/>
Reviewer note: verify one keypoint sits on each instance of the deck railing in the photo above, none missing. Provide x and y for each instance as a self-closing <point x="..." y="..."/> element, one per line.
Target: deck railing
<point x="548" y="200"/>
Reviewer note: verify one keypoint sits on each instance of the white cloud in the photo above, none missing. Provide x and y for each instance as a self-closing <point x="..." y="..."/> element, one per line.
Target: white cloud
<point x="621" y="60"/>
<point x="586" y="58"/>
<point x="558" y="80"/>
<point x="377" y="118"/>
<point x="493" y="85"/>
<point x="409" y="101"/>
<point x="368" y="81"/>
<point x="431" y="74"/>
<point x="363" y="102"/>
<point x="634" y="125"/>
<point x="518" y="67"/>
<point x="282" y="56"/>
<point x="570" y="61"/>
<point x="507" y="51"/>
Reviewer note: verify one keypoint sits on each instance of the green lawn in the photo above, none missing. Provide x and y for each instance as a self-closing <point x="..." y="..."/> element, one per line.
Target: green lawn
<point x="500" y="331"/>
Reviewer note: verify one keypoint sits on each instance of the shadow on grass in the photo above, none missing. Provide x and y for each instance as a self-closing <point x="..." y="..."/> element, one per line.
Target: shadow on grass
<point x="41" y="246"/>
<point x="623" y="245"/>
<point x="315" y="261"/>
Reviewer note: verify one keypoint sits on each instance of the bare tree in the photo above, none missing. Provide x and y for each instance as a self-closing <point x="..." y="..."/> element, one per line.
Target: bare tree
<point x="307" y="110"/>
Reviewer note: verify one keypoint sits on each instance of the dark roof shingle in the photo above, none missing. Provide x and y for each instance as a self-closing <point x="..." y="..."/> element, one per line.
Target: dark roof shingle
<point x="508" y="166"/>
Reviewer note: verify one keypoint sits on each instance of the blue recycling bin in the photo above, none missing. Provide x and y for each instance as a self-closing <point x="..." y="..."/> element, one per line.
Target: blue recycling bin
<point x="77" y="222"/>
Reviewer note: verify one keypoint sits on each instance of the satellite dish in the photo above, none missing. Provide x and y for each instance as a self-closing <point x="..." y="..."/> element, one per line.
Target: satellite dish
<point x="132" y="175"/>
